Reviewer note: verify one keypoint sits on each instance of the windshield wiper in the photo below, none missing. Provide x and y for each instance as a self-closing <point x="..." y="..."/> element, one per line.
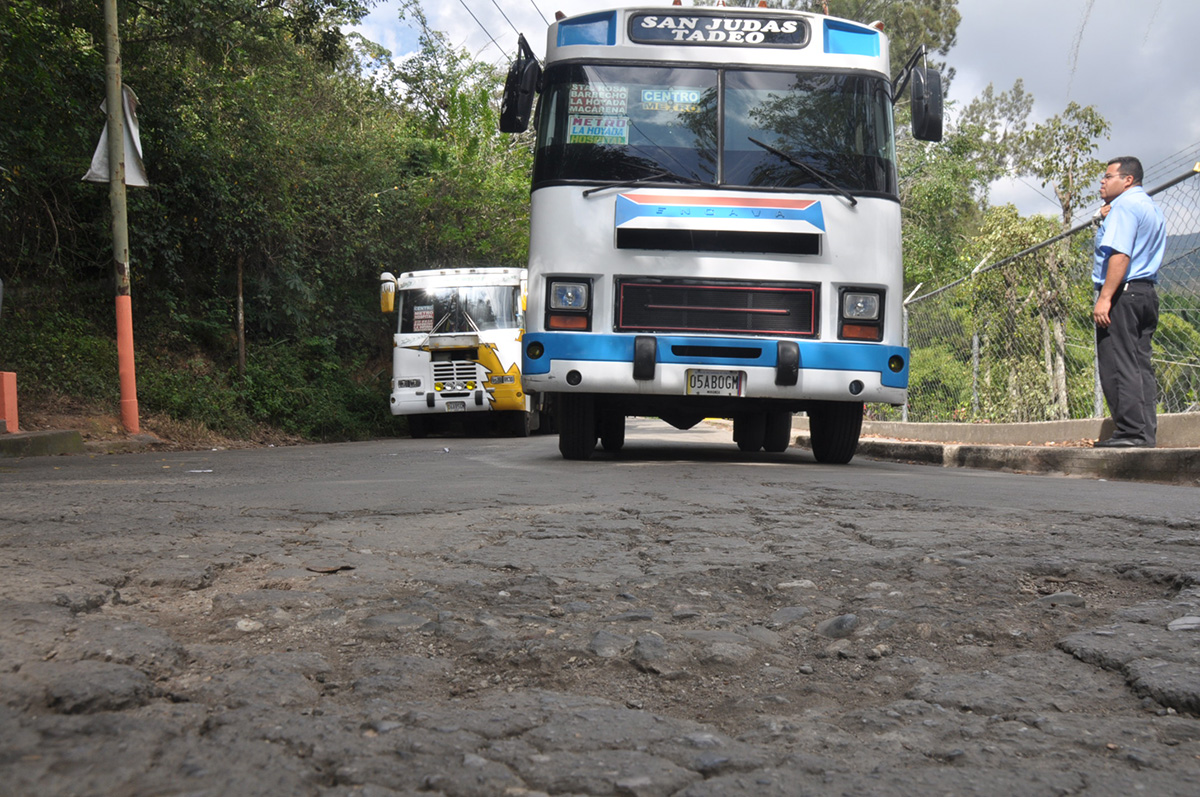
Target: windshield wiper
<point x="659" y="175"/>
<point x="819" y="175"/>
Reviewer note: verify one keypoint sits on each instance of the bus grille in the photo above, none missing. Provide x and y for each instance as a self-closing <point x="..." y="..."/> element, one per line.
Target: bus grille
<point x="455" y="371"/>
<point x="649" y="305"/>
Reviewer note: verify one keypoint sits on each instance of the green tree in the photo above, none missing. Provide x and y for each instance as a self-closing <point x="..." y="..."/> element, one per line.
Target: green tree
<point x="468" y="194"/>
<point x="1000" y="121"/>
<point x="943" y="193"/>
<point x="1060" y="153"/>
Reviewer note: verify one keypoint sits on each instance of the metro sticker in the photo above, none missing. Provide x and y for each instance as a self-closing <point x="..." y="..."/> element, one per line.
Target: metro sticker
<point x="423" y="318"/>
<point x="598" y="130"/>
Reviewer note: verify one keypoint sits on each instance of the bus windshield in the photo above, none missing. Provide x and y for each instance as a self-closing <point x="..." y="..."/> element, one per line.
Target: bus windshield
<point x="600" y="123"/>
<point x="460" y="310"/>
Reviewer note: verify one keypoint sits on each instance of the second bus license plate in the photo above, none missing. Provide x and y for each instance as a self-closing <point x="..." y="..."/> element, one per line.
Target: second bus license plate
<point x="715" y="383"/>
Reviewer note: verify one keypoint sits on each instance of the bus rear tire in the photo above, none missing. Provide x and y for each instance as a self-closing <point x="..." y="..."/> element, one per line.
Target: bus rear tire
<point x="577" y="426"/>
<point x="750" y="431"/>
<point x="612" y="430"/>
<point x="779" y="431"/>
<point x="835" y="427"/>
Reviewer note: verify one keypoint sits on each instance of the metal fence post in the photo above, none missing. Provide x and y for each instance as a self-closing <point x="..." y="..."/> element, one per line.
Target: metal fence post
<point x="904" y="342"/>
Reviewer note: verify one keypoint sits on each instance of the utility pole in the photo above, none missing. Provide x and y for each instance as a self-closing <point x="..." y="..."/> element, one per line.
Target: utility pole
<point x="115" y="102"/>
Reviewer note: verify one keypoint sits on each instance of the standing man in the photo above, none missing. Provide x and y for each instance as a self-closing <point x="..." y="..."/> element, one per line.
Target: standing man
<point x="1129" y="251"/>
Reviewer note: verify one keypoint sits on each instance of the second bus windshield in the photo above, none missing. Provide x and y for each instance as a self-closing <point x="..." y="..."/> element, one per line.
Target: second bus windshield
<point x="602" y="123"/>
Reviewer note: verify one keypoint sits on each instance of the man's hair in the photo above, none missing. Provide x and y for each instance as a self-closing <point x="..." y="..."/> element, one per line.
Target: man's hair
<point x="1129" y="165"/>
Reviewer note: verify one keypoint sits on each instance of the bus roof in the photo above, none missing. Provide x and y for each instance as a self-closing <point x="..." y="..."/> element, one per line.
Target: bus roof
<point x="460" y="278"/>
<point x="718" y="35"/>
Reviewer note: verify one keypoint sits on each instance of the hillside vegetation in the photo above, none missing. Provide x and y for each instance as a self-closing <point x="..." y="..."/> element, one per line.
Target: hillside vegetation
<point x="286" y="160"/>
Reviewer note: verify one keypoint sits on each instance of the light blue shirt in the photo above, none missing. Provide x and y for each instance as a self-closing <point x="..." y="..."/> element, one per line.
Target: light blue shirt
<point x="1134" y="226"/>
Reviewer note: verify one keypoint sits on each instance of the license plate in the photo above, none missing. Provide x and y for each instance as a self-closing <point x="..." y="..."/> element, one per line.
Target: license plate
<point x="456" y="406"/>
<point x="715" y="383"/>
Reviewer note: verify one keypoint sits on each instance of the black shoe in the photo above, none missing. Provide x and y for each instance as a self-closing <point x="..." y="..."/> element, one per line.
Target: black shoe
<point x="1120" y="442"/>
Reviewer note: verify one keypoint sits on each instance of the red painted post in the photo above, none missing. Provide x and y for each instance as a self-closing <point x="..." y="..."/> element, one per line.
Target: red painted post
<point x="8" y="400"/>
<point x="125" y="368"/>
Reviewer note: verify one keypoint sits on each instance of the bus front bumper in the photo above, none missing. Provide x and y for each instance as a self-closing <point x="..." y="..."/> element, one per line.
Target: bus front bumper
<point x="791" y="370"/>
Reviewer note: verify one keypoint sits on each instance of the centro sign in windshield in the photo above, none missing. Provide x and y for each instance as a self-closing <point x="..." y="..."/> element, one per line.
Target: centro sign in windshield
<point x="744" y="30"/>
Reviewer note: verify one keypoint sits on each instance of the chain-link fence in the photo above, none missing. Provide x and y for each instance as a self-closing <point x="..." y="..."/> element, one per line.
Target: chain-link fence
<point x="1014" y="341"/>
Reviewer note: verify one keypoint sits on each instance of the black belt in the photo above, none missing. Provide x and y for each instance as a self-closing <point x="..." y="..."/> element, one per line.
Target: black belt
<point x="1099" y="285"/>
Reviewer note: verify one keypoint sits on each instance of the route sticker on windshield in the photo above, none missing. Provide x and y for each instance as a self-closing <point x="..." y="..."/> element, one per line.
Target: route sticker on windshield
<point x="423" y="318"/>
<point x="599" y="130"/>
<point x="588" y="100"/>
<point x="675" y="100"/>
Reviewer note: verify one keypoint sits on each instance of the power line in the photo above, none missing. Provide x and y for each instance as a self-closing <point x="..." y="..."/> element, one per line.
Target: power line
<point x="540" y="14"/>
<point x="506" y="19"/>
<point x="480" y="24"/>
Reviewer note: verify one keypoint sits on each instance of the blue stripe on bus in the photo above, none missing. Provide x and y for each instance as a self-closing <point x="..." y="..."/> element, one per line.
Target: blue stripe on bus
<point x="814" y="354"/>
<point x="629" y="208"/>
<point x="843" y="39"/>
<point x="593" y="29"/>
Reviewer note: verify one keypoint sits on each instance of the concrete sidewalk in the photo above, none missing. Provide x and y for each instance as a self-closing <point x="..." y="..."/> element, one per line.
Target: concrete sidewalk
<point x="1052" y="447"/>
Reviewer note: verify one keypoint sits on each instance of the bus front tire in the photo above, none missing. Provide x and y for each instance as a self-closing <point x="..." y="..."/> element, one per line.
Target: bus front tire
<point x="577" y="426"/>
<point x="835" y="427"/>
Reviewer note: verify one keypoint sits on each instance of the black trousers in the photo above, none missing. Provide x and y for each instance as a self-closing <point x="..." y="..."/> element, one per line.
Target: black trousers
<point x="1126" y="373"/>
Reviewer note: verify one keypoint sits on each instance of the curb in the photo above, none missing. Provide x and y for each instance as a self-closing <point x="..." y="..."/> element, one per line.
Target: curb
<point x="40" y="444"/>
<point x="1157" y="465"/>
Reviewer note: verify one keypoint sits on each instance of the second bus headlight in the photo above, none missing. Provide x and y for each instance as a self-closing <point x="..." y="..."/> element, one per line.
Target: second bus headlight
<point x="860" y="306"/>
<point x="569" y="296"/>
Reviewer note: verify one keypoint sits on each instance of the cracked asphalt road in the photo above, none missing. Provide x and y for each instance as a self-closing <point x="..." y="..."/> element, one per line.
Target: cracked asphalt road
<point x="478" y="617"/>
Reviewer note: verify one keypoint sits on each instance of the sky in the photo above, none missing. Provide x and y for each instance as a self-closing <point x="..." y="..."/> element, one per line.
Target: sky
<point x="1137" y="62"/>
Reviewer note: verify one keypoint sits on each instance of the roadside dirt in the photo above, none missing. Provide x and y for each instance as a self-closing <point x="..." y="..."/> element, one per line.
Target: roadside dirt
<point x="98" y="425"/>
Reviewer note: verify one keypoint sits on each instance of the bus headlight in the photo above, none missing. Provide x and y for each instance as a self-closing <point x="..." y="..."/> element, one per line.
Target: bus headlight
<point x="860" y="306"/>
<point x="569" y="296"/>
<point x="503" y="379"/>
<point x="568" y="305"/>
<point x="861" y="315"/>
<point x="408" y="383"/>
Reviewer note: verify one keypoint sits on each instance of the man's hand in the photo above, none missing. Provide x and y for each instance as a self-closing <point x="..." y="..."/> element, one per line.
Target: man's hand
<point x="1100" y="312"/>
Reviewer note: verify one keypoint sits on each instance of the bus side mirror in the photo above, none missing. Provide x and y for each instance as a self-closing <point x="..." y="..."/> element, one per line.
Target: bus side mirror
<point x="387" y="292"/>
<point x="926" y="104"/>
<point x="516" y="106"/>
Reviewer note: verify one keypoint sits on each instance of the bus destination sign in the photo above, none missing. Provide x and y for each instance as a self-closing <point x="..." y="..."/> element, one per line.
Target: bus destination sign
<point x="742" y="30"/>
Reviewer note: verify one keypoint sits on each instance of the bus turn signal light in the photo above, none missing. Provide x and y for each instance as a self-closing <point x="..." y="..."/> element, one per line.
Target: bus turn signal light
<point x="578" y="322"/>
<point x="861" y="332"/>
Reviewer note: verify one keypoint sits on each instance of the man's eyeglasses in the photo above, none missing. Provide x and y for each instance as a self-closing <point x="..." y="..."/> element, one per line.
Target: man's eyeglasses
<point x="1112" y="176"/>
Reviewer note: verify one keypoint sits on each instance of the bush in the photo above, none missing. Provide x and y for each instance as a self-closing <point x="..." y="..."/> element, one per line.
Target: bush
<point x="303" y="388"/>
<point x="58" y="353"/>
<point x="306" y="388"/>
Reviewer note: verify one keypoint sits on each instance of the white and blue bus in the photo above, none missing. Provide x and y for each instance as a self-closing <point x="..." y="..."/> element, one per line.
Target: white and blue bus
<point x="715" y="226"/>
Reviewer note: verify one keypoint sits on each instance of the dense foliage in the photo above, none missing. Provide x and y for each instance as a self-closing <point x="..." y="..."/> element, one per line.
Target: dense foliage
<point x="277" y="148"/>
